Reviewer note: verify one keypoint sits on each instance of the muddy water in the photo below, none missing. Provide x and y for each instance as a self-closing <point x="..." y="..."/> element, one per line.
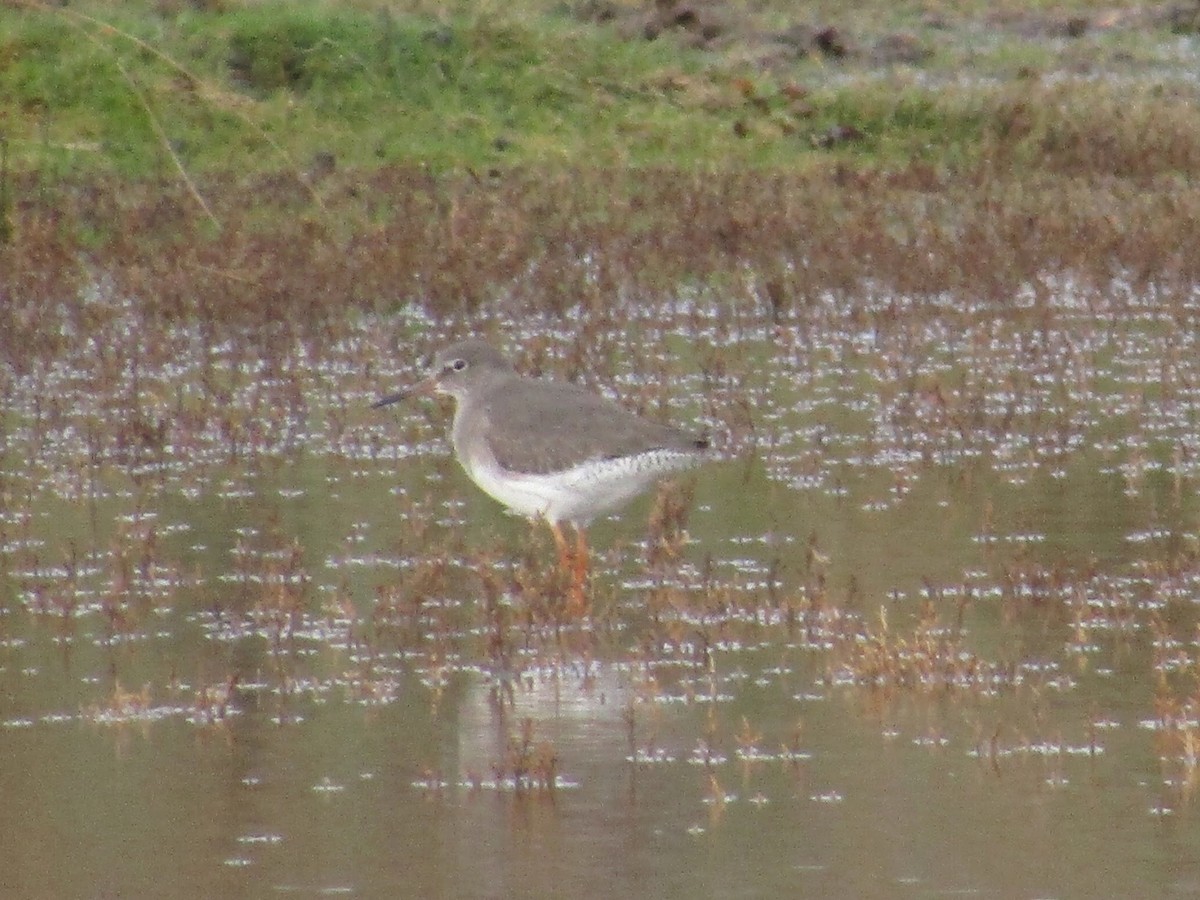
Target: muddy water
<point x="931" y="629"/>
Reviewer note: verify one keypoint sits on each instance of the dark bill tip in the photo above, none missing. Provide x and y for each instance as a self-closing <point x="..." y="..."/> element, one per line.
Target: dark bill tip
<point x="390" y="399"/>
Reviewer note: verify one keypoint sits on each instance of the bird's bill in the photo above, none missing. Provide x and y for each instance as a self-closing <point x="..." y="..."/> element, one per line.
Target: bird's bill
<point x="390" y="399"/>
<point x="422" y="388"/>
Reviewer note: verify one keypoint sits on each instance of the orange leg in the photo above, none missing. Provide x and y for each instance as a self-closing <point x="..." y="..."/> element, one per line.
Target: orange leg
<point x="582" y="555"/>
<point x="564" y="549"/>
<point x="580" y="566"/>
<point x="574" y="561"/>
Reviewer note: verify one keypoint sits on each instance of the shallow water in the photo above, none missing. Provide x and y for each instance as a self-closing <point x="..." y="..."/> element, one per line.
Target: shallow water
<point x="931" y="631"/>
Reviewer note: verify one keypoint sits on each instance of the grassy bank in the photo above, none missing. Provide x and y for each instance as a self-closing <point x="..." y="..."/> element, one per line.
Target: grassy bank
<point x="142" y="88"/>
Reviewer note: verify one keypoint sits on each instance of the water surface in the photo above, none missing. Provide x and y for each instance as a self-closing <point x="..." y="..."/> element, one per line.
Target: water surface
<point x="930" y="629"/>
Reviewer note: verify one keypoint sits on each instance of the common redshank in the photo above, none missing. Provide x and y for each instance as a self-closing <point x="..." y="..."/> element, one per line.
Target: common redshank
<point x="549" y="449"/>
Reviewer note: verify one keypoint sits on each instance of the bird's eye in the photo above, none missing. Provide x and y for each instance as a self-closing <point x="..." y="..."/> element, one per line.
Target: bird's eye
<point x="458" y="365"/>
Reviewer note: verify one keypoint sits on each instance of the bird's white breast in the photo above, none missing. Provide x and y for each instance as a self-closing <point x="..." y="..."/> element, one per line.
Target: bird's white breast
<point x="580" y="493"/>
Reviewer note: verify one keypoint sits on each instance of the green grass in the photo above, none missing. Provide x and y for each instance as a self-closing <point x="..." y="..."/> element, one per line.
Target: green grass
<point x="144" y="89"/>
<point x="264" y="86"/>
<point x="367" y="86"/>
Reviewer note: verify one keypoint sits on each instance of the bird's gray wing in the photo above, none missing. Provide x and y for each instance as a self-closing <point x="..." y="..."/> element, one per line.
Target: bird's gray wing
<point x="567" y="425"/>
